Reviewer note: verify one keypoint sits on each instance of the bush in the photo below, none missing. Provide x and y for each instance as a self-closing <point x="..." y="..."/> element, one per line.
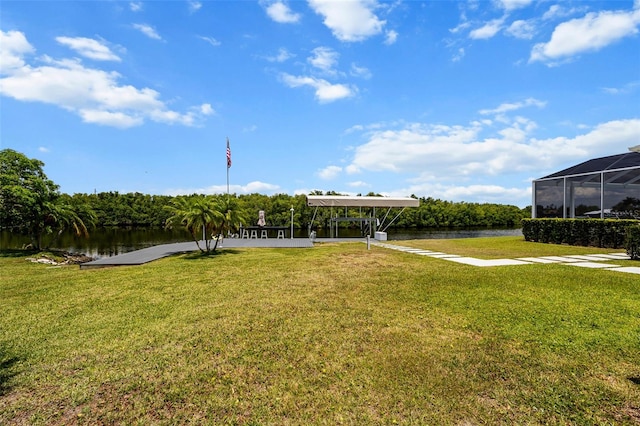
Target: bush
<point x="611" y="233"/>
<point x="632" y="242"/>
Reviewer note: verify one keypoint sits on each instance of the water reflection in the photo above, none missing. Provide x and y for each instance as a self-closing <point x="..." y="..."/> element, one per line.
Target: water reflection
<point x="107" y="242"/>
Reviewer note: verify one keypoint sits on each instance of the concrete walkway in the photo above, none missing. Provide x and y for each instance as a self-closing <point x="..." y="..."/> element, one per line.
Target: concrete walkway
<point x="584" y="261"/>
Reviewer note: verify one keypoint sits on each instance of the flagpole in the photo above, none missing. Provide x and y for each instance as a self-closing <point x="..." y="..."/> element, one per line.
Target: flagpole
<point x="228" y="165"/>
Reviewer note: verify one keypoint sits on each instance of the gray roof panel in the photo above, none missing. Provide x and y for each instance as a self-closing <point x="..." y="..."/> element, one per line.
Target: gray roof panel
<point x="613" y="162"/>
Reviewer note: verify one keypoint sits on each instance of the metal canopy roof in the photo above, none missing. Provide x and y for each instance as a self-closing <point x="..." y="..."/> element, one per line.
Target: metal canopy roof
<point x="603" y="164"/>
<point x="346" y="201"/>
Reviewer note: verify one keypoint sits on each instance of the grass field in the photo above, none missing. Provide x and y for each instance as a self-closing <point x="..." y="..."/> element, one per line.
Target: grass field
<point x="336" y="334"/>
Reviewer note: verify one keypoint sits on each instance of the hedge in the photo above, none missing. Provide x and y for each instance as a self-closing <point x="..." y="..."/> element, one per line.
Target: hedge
<point x="632" y="242"/>
<point x="610" y="233"/>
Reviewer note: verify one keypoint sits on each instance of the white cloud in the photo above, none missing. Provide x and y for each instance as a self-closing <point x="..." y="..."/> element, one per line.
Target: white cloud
<point x="250" y="188"/>
<point x="522" y="29"/>
<point x="280" y="12"/>
<point x="392" y="37"/>
<point x="89" y="48"/>
<point x="206" y="109"/>
<point x="514" y="4"/>
<point x="13" y="47"/>
<point x="554" y="11"/>
<point x="513" y="106"/>
<point x="603" y="139"/>
<point x="282" y="56"/>
<point x="460" y="162"/>
<point x="194" y="6"/>
<point x="135" y="6"/>
<point x="358" y="184"/>
<point x="557" y="11"/>
<point x="361" y="72"/>
<point x="460" y="27"/>
<point x="43" y="149"/>
<point x="488" y="30"/>
<point x="479" y="193"/>
<point x="591" y="33"/>
<point x="627" y="88"/>
<point x="109" y="118"/>
<point x="324" y="58"/>
<point x="461" y="152"/>
<point x="93" y="94"/>
<point x="324" y="91"/>
<point x="329" y="172"/>
<point x="458" y="55"/>
<point x="349" y="21"/>
<point x="147" y="30"/>
<point x="212" y="41"/>
<point x="352" y="169"/>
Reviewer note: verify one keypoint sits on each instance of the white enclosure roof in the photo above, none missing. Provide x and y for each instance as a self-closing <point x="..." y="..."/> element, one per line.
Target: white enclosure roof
<point x="346" y="201"/>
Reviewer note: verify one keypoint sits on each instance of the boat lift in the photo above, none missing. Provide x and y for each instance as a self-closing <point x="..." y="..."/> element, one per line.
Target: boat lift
<point x="373" y="223"/>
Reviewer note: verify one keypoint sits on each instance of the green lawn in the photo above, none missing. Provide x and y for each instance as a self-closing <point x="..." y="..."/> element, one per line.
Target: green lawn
<point x="337" y="334"/>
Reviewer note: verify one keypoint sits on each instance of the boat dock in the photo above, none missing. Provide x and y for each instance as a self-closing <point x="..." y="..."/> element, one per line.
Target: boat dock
<point x="142" y="256"/>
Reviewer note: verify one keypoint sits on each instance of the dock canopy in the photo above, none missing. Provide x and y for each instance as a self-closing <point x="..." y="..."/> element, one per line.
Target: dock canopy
<point x="369" y="225"/>
<point x="347" y="201"/>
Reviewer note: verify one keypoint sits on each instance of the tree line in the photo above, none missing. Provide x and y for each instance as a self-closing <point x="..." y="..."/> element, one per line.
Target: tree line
<point x="32" y="204"/>
<point x="137" y="209"/>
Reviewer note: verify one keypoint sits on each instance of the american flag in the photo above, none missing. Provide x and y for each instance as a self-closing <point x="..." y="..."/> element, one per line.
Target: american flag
<point x="228" y="154"/>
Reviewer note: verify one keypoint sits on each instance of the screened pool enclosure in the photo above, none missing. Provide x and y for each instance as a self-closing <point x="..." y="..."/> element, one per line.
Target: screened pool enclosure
<point x="607" y="187"/>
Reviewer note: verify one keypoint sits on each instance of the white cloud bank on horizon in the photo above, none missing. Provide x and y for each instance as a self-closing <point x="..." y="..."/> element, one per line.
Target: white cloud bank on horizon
<point x="454" y="162"/>
<point x="459" y="151"/>
<point x="249" y="188"/>
<point x="93" y="94"/>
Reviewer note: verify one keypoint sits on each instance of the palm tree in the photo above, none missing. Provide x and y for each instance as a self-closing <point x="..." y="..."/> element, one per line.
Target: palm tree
<point x="198" y="214"/>
<point x="232" y="216"/>
<point x="63" y="216"/>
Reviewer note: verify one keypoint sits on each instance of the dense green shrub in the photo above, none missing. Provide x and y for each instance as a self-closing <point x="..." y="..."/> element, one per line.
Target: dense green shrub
<point x="632" y="242"/>
<point x="611" y="233"/>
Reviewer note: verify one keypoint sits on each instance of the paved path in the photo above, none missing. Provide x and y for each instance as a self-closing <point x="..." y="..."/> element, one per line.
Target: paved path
<point x="142" y="256"/>
<point x="584" y="261"/>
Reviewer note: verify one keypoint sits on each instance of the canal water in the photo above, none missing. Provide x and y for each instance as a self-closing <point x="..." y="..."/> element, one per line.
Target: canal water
<point x="107" y="242"/>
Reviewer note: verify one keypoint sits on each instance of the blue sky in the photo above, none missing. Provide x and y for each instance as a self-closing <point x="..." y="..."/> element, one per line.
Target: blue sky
<point x="462" y="101"/>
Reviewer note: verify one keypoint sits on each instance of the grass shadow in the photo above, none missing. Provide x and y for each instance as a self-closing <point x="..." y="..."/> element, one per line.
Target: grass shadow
<point x="211" y="255"/>
<point x="7" y="370"/>
<point x="17" y="252"/>
<point x="634" y="380"/>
